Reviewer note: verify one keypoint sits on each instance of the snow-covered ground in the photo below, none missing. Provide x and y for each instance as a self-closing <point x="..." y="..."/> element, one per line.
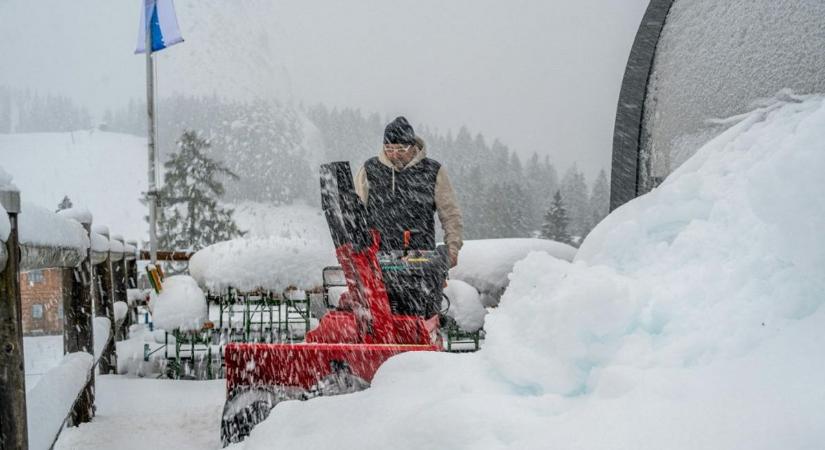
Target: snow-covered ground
<point x="41" y="353"/>
<point x="691" y="318"/>
<point x="140" y="414"/>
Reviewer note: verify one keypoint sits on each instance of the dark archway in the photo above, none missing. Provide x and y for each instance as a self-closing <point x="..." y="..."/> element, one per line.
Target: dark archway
<point x="625" y="176"/>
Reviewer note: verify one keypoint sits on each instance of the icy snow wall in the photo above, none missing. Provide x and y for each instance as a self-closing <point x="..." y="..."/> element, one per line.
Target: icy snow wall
<point x="691" y="318"/>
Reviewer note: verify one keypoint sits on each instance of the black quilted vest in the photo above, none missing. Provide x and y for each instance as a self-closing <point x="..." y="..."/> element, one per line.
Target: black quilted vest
<point x="410" y="206"/>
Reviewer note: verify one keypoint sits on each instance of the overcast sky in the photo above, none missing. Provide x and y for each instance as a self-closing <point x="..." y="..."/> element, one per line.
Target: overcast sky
<point x="540" y="76"/>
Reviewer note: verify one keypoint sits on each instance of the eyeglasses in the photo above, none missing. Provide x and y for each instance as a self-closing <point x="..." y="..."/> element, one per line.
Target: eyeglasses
<point x="397" y="149"/>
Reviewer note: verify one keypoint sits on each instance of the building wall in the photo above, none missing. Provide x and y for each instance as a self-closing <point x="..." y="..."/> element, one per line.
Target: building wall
<point x="41" y="293"/>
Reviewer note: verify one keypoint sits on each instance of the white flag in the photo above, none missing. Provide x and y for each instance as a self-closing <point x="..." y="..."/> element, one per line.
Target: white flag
<point x="163" y="25"/>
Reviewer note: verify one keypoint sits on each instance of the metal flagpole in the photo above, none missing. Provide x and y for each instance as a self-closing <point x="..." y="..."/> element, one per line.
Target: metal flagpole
<point x="151" y="194"/>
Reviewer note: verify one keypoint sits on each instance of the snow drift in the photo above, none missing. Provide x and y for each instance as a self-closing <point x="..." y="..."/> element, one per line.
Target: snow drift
<point x="179" y="305"/>
<point x="691" y="318"/>
<point x="486" y="263"/>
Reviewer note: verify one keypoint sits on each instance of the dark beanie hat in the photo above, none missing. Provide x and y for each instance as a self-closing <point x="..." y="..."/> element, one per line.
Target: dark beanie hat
<point x="399" y="131"/>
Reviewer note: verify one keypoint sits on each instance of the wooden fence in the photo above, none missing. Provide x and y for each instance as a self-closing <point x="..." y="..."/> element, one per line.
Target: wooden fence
<point x="93" y="280"/>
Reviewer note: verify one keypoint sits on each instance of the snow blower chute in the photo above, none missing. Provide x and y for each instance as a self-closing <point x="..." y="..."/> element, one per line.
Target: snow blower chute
<point x="373" y="322"/>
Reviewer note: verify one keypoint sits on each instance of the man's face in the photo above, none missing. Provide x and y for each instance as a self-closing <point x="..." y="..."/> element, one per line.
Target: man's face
<point x="400" y="154"/>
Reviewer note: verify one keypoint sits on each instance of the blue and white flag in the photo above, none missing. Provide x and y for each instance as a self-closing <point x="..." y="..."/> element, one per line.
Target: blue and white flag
<point x="163" y="24"/>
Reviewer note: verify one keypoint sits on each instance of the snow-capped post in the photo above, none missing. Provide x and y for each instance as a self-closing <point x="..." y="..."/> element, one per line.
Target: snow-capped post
<point x="130" y="262"/>
<point x="77" y="325"/>
<point x="158" y="30"/>
<point x="104" y="307"/>
<point x="119" y="285"/>
<point x="131" y="265"/>
<point x="13" y="428"/>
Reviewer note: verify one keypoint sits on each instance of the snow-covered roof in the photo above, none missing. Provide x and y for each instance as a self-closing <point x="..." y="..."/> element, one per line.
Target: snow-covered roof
<point x="692" y="317"/>
<point x="486" y="263"/>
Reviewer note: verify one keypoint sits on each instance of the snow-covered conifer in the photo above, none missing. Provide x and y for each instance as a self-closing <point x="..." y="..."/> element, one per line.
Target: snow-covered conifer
<point x="556" y="222"/>
<point x="191" y="217"/>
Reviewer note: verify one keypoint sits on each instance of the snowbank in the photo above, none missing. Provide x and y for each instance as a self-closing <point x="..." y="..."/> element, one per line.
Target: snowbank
<point x="274" y="263"/>
<point x="180" y="305"/>
<point x="50" y="400"/>
<point x="39" y="226"/>
<point x="284" y="246"/>
<point x="102" y="329"/>
<point x="691" y="318"/>
<point x="465" y="305"/>
<point x="485" y="263"/>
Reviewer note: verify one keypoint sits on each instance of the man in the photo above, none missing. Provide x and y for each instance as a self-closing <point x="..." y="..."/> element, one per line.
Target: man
<point x="403" y="190"/>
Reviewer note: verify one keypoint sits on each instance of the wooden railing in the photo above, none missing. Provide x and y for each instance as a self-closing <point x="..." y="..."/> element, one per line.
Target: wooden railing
<point x="92" y="281"/>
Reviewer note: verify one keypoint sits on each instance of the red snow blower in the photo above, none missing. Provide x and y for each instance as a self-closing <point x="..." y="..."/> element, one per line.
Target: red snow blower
<point x="390" y="306"/>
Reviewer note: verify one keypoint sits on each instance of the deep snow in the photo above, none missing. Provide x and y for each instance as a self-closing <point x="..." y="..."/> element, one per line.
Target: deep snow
<point x="690" y="319"/>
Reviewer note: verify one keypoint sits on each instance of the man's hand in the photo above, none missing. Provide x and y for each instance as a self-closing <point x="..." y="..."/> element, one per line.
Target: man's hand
<point x="453" y="257"/>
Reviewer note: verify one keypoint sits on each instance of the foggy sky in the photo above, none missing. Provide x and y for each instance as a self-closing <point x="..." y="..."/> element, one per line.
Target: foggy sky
<point x="540" y="76"/>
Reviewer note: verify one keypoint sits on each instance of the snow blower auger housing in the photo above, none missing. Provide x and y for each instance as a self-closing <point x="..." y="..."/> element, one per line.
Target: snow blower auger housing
<point x="349" y="345"/>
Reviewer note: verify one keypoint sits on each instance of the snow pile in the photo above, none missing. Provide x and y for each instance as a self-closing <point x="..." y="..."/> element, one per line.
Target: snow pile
<point x="51" y="399"/>
<point x="102" y="330"/>
<point x="334" y="294"/>
<point x="485" y="263"/>
<point x="136" y="295"/>
<point x="180" y="305"/>
<point x="691" y="318"/>
<point x="465" y="305"/>
<point x="115" y="246"/>
<point x="39" y="226"/>
<point x="81" y="215"/>
<point x="120" y="309"/>
<point x="285" y="246"/>
<point x="99" y="243"/>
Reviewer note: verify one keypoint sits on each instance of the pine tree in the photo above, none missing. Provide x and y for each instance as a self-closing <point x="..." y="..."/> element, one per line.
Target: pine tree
<point x="64" y="204"/>
<point x="556" y="221"/>
<point x="190" y="217"/>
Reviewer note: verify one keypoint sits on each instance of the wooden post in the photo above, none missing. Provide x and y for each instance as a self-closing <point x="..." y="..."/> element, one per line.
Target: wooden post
<point x="119" y="286"/>
<point x="77" y="326"/>
<point x="103" y="308"/>
<point x="13" y="428"/>
<point x="131" y="281"/>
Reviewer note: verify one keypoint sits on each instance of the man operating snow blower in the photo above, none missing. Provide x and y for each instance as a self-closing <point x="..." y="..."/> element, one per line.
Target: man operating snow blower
<point x="403" y="189"/>
<point x="385" y="244"/>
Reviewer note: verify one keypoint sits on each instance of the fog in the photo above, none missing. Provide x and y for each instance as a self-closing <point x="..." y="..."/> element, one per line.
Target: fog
<point x="540" y="76"/>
